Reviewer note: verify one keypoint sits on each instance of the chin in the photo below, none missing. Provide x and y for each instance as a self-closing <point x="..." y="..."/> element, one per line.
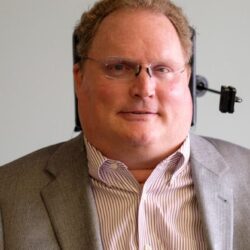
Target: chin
<point x="142" y="139"/>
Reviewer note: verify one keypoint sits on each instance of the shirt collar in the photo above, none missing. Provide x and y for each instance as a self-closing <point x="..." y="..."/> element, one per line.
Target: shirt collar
<point x="175" y="163"/>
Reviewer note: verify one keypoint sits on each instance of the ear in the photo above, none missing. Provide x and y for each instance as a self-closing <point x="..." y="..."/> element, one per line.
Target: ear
<point x="77" y="73"/>
<point x="189" y="72"/>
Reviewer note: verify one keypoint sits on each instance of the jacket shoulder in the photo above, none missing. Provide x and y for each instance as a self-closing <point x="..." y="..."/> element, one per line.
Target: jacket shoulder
<point x="219" y="144"/>
<point x="31" y="170"/>
<point x="35" y="159"/>
<point x="230" y="150"/>
<point x="209" y="149"/>
<point x="27" y="172"/>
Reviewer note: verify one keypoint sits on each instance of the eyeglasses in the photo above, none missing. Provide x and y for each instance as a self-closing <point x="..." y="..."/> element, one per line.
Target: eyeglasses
<point x="126" y="69"/>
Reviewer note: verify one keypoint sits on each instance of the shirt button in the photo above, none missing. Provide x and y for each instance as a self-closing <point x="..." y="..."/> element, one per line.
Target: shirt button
<point x="147" y="247"/>
<point x="114" y="166"/>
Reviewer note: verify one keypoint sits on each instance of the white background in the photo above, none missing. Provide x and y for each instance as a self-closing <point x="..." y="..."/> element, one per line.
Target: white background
<point x="36" y="84"/>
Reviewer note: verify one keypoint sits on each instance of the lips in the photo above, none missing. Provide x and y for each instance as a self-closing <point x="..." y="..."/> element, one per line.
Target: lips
<point x="138" y="115"/>
<point x="140" y="112"/>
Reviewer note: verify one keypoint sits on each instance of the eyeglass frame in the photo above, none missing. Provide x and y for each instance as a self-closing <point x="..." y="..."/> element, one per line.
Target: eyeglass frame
<point x="135" y="67"/>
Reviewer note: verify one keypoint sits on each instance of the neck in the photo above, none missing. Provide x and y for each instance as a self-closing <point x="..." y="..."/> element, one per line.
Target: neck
<point x="134" y="155"/>
<point x="141" y="175"/>
<point x="139" y="158"/>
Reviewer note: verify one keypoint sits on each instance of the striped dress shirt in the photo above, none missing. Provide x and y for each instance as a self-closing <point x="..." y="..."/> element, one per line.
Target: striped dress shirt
<point x="163" y="214"/>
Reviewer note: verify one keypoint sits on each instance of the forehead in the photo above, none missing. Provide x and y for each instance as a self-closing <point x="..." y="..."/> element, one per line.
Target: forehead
<point x="137" y="33"/>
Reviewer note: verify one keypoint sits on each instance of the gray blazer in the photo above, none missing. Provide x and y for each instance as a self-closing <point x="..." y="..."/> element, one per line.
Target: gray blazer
<point x="46" y="200"/>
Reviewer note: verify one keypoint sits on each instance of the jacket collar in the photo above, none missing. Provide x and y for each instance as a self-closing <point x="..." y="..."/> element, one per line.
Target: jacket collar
<point x="214" y="195"/>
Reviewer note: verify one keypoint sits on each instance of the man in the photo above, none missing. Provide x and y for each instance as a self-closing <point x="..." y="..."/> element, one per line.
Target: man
<point x="135" y="178"/>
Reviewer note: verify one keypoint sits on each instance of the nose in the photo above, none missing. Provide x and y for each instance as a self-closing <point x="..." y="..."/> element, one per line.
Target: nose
<point x="143" y="85"/>
<point x="139" y="68"/>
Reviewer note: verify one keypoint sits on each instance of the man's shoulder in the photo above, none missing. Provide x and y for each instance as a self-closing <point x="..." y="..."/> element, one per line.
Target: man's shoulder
<point x="26" y="173"/>
<point x="32" y="167"/>
<point x="227" y="149"/>
<point x="37" y="158"/>
<point x="228" y="161"/>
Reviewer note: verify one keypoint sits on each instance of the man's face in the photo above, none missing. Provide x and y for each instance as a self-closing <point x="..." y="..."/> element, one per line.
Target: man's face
<point x="143" y="112"/>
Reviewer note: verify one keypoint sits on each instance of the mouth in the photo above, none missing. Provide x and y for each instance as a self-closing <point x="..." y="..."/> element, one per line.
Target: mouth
<point x="140" y="112"/>
<point x="138" y="115"/>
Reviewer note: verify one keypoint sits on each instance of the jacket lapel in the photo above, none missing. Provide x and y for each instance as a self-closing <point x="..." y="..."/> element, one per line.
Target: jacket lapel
<point x="69" y="199"/>
<point x="215" y="197"/>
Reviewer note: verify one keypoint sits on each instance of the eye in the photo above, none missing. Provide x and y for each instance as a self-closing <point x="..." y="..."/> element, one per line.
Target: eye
<point x="162" y="69"/>
<point x="117" y="69"/>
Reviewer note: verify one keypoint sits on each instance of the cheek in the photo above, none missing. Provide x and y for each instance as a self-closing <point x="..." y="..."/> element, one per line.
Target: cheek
<point x="104" y="93"/>
<point x="101" y="97"/>
<point x="175" y="100"/>
<point x="180" y="86"/>
<point x="179" y="90"/>
<point x="174" y="93"/>
<point x="110" y="93"/>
